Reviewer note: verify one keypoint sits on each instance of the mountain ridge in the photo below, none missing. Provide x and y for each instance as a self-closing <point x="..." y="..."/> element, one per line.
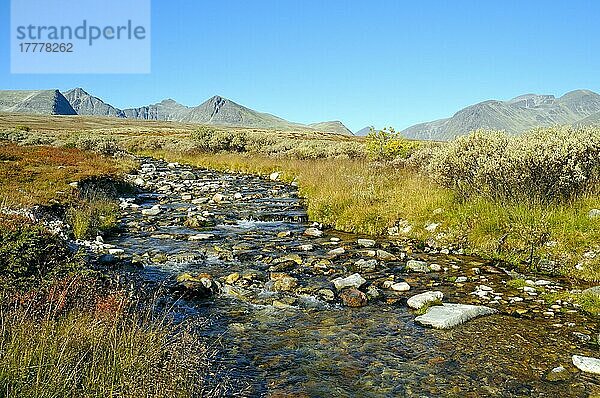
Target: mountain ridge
<point x="217" y="110"/>
<point x="515" y="115"/>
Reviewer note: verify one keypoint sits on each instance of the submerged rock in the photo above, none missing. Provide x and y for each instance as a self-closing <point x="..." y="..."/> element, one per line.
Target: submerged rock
<point x="587" y="364"/>
<point x="418" y="301"/>
<point x="153" y="211"/>
<point x="366" y="265"/>
<point x="336" y="252"/>
<point x="283" y="282"/>
<point x="559" y="373"/>
<point x="447" y="316"/>
<point x="352" y="297"/>
<point x="199" y="286"/>
<point x="417" y="266"/>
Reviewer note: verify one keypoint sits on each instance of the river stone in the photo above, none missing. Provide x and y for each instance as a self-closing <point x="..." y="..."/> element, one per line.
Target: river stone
<point x="417" y="266"/>
<point x="336" y="252"/>
<point x="274" y="176"/>
<point x="313" y="232"/>
<point x="587" y="364"/>
<point x="385" y="256"/>
<point x="153" y="211"/>
<point x="366" y="242"/>
<point x="352" y="297"/>
<point x="419" y="300"/>
<point x="400" y="287"/>
<point x="366" y="265"/>
<point x="199" y="286"/>
<point x="188" y="175"/>
<point x="326" y="294"/>
<point x="283" y="282"/>
<point x="354" y="280"/>
<point x="217" y="198"/>
<point x="294" y="258"/>
<point x="232" y="278"/>
<point x="139" y="182"/>
<point x="200" y="237"/>
<point x="447" y="316"/>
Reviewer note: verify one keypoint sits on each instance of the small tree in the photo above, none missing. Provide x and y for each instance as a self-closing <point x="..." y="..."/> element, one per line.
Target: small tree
<point x="387" y="144"/>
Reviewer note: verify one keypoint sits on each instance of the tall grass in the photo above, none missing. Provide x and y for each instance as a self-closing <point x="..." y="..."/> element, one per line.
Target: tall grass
<point x="105" y="352"/>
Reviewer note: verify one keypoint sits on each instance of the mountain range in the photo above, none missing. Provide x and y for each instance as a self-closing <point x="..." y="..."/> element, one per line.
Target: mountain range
<point x="514" y="116"/>
<point x="216" y="111"/>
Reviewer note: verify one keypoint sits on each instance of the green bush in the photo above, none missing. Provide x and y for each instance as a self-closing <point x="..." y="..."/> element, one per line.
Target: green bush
<point x="387" y="145"/>
<point x="29" y="252"/>
<point x="21" y="127"/>
<point x="542" y="166"/>
<point x="212" y="140"/>
<point x="104" y="145"/>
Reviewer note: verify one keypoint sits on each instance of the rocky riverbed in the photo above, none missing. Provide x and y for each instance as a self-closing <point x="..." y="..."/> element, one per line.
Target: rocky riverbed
<point x="303" y="311"/>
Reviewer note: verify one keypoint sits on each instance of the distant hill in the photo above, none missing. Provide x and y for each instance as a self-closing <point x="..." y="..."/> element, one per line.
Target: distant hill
<point x="40" y="102"/>
<point x="334" y="126"/>
<point x="514" y="116"/>
<point x="168" y="110"/>
<point x="217" y="111"/>
<point x="364" y="131"/>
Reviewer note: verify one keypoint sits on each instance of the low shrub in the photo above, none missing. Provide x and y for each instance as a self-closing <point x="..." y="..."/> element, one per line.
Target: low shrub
<point x="30" y="253"/>
<point x="104" y="145"/>
<point x="545" y="165"/>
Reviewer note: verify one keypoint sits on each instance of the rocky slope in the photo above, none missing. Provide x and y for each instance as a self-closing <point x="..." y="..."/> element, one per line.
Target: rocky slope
<point x="514" y="116"/>
<point x="86" y="104"/>
<point x="41" y="102"/>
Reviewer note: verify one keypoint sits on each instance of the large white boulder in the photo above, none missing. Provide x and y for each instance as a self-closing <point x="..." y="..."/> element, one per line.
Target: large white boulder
<point x="447" y="316"/>
<point x="587" y="364"/>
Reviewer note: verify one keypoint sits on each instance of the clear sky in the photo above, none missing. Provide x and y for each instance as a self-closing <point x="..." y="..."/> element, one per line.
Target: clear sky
<point x="362" y="62"/>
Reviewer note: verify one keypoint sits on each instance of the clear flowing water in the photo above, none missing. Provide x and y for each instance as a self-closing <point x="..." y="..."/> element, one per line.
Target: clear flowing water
<point x="294" y="343"/>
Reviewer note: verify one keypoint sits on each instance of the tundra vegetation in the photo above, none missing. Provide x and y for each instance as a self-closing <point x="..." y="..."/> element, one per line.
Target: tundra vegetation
<point x="528" y="200"/>
<point x="67" y="329"/>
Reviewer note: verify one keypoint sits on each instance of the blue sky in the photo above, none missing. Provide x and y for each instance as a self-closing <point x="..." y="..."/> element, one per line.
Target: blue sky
<point x="362" y="62"/>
